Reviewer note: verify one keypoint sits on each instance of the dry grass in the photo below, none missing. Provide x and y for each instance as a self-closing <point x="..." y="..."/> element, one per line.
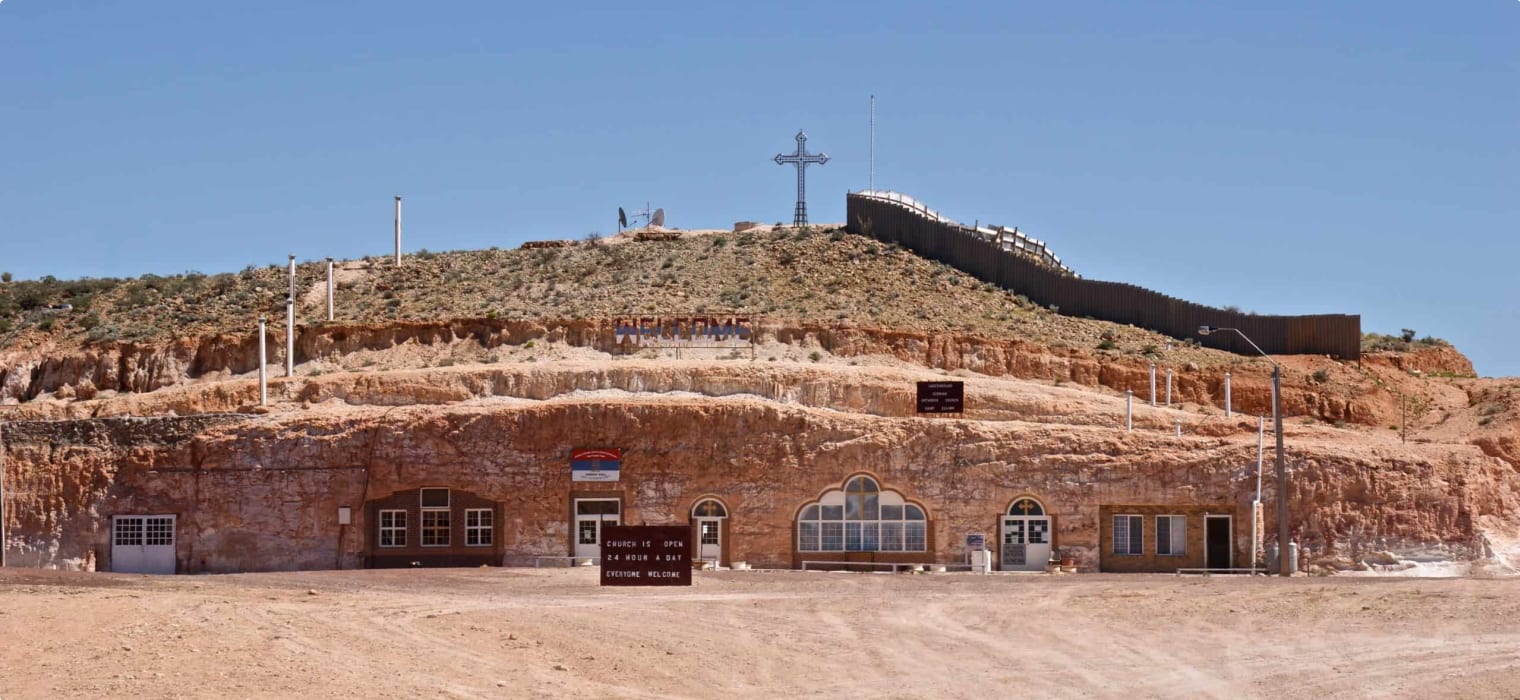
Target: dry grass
<point x="820" y="276"/>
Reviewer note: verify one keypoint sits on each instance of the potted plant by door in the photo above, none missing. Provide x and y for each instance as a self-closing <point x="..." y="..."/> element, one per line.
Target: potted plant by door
<point x="1068" y="562"/>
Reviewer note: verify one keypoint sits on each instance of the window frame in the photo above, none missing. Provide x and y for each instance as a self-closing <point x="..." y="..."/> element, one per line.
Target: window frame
<point x="489" y="528"/>
<point x="837" y="522"/>
<point x="1176" y="527"/>
<point x="448" y="527"/>
<point x="392" y="528"/>
<point x="422" y="494"/>
<point x="1130" y="538"/>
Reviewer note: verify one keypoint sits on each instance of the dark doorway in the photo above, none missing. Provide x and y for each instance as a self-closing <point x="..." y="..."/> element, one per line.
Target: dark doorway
<point x="1217" y="535"/>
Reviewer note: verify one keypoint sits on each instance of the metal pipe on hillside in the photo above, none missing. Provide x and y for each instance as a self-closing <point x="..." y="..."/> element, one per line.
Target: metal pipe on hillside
<point x="329" y="289"/>
<point x="398" y="230"/>
<point x="1227" y="411"/>
<point x="1129" y="410"/>
<point x="290" y="338"/>
<point x="263" y="369"/>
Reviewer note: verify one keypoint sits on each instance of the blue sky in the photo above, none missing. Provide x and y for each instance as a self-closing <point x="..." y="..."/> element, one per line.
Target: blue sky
<point x="1290" y="157"/>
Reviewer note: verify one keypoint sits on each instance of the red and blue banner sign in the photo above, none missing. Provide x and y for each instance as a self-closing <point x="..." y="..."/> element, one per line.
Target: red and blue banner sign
<point x="595" y="465"/>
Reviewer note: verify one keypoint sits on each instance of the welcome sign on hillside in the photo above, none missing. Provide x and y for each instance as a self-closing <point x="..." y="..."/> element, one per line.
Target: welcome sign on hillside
<point x="685" y="331"/>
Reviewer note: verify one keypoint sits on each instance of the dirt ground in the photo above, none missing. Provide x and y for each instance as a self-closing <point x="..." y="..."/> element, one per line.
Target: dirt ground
<point x="555" y="633"/>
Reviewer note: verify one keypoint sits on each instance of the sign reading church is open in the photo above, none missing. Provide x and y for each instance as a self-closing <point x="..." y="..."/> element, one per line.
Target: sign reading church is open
<point x="646" y="555"/>
<point x="595" y="465"/>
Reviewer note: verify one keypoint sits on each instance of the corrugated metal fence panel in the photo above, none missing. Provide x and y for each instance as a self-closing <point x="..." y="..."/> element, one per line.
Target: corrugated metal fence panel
<point x="1338" y="335"/>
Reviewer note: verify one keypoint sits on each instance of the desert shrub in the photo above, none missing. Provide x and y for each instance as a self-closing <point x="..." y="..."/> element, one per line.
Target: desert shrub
<point x="1107" y="344"/>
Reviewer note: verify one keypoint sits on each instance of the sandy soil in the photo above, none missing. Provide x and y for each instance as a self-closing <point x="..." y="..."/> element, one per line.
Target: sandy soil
<point x="554" y="633"/>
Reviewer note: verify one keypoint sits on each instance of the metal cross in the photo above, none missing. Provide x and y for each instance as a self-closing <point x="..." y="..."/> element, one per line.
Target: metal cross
<point x="801" y="158"/>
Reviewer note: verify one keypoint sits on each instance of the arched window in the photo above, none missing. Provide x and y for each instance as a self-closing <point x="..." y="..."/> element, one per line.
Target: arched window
<point x="709" y="508"/>
<point x="861" y="517"/>
<point x="1026" y="507"/>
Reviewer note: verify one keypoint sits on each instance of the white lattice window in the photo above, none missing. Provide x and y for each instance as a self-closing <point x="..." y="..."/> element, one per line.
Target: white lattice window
<point x="1171" y="535"/>
<point x="129" y="532"/>
<point x="478" y="527"/>
<point x="1129" y="535"/>
<point x="392" y="528"/>
<point x="861" y="517"/>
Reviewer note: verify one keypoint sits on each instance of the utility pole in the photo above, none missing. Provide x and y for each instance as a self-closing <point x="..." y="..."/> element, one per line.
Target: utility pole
<point x="263" y="369"/>
<point x="329" y="289"/>
<point x="398" y="230"/>
<point x="873" y="143"/>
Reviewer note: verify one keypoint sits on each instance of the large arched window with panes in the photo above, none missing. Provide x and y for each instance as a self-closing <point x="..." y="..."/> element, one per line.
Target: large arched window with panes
<point x="861" y="517"/>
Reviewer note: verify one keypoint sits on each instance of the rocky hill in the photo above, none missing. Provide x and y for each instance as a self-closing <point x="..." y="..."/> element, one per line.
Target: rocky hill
<point x="1404" y="449"/>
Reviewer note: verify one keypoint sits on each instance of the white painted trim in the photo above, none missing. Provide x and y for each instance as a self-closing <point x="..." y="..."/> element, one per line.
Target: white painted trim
<point x="381" y="528"/>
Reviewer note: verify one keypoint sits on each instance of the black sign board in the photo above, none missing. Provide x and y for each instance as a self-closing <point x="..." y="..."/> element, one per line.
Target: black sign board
<point x="646" y="555"/>
<point x="941" y="397"/>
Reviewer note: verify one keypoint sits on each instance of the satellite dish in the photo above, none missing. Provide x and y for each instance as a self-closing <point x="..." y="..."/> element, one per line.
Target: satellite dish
<point x="622" y="219"/>
<point x="658" y="218"/>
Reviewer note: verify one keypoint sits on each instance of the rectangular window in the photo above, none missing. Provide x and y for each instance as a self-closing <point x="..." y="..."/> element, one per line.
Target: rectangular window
<point x="852" y="537"/>
<point x="129" y="532"/>
<point x="1171" y="535"/>
<point x="831" y="539"/>
<point x="596" y="506"/>
<point x="807" y="536"/>
<point x="1129" y="535"/>
<point x="159" y="532"/>
<point x="870" y="539"/>
<point x="435" y="528"/>
<point x="914" y="536"/>
<point x="478" y="527"/>
<point x="833" y="512"/>
<point x="392" y="528"/>
<point x="435" y="498"/>
<point x="891" y="537"/>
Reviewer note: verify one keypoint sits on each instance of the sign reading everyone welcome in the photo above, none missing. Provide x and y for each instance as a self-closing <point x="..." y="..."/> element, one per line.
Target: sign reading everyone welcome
<point x="646" y="555"/>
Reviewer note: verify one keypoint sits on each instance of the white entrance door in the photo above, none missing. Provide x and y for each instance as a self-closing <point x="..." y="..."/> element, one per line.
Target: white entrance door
<point x="590" y="515"/>
<point x="142" y="544"/>
<point x="1026" y="542"/>
<point x="709" y="539"/>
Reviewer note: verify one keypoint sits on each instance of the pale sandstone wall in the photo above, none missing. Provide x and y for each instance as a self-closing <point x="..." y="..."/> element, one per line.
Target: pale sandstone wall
<point x="138" y="368"/>
<point x="262" y="493"/>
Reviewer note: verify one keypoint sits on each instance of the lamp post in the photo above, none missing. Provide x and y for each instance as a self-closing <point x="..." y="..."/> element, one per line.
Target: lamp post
<point x="1283" y="567"/>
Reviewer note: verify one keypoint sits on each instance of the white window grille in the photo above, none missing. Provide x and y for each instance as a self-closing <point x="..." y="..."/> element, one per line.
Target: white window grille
<point x="861" y="517"/>
<point x="479" y="527"/>
<point x="392" y="528"/>
<point x="1129" y="535"/>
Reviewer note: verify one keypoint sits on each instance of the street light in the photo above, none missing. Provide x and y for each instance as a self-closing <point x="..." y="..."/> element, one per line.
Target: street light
<point x="1282" y="472"/>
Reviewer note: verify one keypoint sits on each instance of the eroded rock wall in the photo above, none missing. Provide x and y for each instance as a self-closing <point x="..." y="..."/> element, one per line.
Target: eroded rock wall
<point x="262" y="493"/>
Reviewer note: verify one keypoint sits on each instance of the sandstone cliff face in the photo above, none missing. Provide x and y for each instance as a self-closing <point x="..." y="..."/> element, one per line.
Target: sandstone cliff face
<point x="263" y="492"/>
<point x="1349" y="394"/>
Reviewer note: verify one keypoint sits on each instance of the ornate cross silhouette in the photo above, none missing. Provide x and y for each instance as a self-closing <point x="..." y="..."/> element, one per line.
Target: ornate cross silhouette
<point x="801" y="158"/>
